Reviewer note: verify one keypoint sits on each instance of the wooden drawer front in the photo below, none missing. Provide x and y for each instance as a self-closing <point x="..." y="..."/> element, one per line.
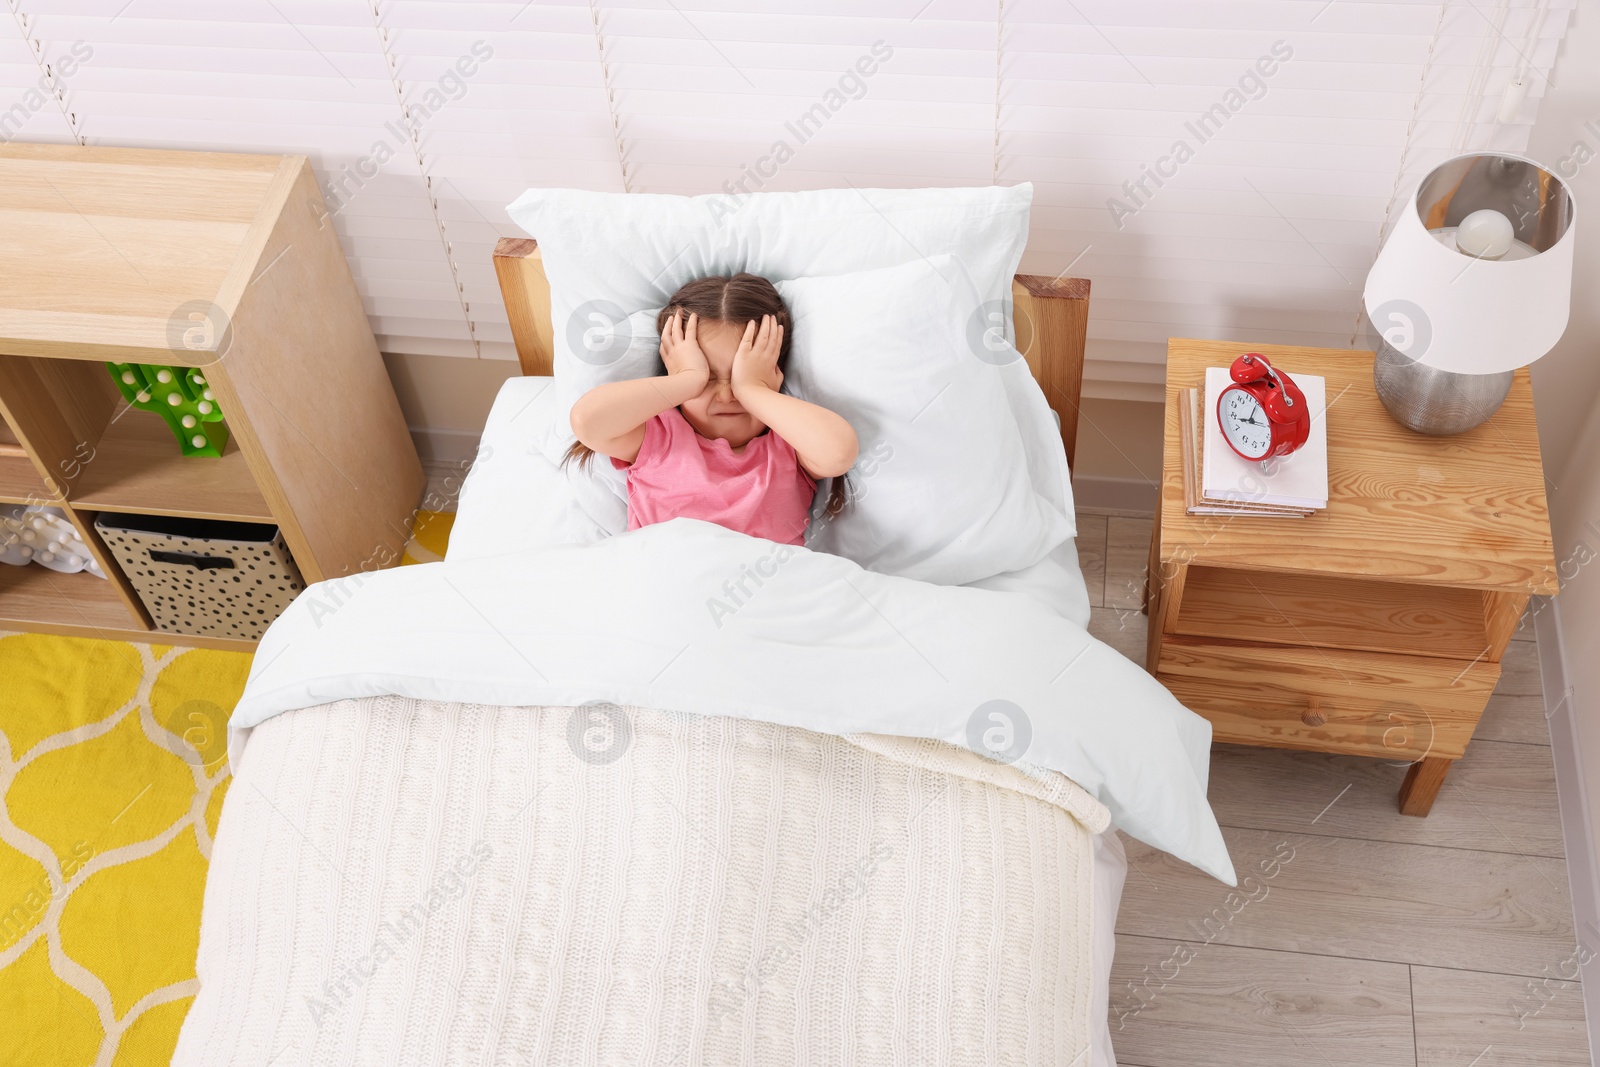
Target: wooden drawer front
<point x="1374" y="704"/>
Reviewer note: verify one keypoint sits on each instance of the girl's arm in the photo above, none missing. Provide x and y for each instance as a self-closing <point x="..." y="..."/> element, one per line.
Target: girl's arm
<point x="610" y="418"/>
<point x="821" y="438"/>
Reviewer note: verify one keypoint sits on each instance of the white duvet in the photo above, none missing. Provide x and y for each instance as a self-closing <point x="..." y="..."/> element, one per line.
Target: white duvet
<point x="689" y="617"/>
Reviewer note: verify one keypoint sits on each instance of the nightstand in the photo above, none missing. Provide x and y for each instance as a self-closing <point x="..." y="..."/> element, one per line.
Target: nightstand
<point x="1374" y="627"/>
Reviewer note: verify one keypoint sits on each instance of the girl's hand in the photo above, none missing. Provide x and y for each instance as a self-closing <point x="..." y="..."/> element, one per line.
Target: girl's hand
<point x="680" y="349"/>
<point x="755" y="364"/>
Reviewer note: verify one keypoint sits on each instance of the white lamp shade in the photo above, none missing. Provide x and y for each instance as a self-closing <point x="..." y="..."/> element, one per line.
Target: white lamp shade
<point x="1445" y="309"/>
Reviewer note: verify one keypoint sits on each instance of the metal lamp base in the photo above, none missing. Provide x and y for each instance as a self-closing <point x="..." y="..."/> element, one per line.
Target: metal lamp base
<point x="1433" y="401"/>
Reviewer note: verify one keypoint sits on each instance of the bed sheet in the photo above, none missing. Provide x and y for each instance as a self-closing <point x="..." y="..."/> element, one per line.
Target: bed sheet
<point x="518" y="496"/>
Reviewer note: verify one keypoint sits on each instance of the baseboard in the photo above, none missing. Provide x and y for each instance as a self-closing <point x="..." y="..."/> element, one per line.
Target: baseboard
<point x="1577" y="833"/>
<point x="445" y="447"/>
<point x="1115" y="494"/>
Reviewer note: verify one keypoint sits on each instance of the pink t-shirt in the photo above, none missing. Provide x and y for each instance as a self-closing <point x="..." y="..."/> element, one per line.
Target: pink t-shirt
<point x="762" y="491"/>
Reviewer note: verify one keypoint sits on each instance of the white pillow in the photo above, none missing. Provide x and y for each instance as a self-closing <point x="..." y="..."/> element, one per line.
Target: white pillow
<point x="518" y="494"/>
<point x="942" y="489"/>
<point x="611" y="255"/>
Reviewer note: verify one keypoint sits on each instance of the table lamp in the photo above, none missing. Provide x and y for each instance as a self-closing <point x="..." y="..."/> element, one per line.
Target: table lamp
<point x="1474" y="281"/>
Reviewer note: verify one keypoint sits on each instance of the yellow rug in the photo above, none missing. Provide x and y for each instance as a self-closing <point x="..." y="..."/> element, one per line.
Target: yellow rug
<point x="113" y="766"/>
<point x="112" y="771"/>
<point x="430" y="535"/>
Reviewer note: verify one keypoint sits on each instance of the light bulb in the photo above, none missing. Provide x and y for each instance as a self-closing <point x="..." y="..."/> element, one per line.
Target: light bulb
<point x="198" y="440"/>
<point x="1485" y="233"/>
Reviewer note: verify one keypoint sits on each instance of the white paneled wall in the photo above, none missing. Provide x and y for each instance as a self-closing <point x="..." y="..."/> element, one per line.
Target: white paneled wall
<point x="425" y="117"/>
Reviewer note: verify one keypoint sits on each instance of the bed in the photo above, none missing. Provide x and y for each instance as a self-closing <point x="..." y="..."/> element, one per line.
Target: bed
<point x="532" y="807"/>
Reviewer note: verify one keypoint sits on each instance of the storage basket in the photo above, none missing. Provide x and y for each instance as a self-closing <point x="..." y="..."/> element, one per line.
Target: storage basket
<point x="201" y="576"/>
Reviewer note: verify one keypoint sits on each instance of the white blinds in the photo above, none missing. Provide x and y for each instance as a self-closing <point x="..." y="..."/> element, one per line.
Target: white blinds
<point x="424" y="118"/>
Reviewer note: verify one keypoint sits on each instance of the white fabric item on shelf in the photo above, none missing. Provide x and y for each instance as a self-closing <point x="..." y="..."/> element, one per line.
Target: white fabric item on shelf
<point x="31" y="533"/>
<point x="422" y="883"/>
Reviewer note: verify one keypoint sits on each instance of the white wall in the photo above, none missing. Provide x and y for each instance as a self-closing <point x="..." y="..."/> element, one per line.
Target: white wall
<point x="1566" y="381"/>
<point x="1567" y="396"/>
<point x="1118" y="462"/>
<point x="446" y="401"/>
<point x="1570" y="662"/>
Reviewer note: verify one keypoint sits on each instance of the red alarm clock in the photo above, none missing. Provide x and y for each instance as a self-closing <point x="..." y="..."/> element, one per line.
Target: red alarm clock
<point x="1263" y="413"/>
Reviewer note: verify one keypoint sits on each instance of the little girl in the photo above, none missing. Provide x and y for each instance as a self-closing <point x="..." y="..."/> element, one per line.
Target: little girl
<point x="714" y="439"/>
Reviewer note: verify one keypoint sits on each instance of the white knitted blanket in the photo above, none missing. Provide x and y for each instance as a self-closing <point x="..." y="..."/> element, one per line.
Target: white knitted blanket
<point x="400" y="881"/>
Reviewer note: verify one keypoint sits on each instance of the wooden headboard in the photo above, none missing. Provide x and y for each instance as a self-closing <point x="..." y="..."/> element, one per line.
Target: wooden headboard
<point x="1051" y="316"/>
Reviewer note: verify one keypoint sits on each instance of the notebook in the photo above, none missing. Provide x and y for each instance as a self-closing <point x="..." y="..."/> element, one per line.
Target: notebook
<point x="1190" y="422"/>
<point x="1298" y="481"/>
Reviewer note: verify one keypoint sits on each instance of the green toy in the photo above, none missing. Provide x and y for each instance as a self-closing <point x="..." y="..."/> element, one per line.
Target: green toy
<point x="181" y="396"/>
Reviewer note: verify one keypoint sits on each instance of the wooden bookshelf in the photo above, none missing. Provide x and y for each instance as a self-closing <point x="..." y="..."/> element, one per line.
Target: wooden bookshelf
<point x="20" y="482"/>
<point x="35" y="597"/>
<point x="220" y="261"/>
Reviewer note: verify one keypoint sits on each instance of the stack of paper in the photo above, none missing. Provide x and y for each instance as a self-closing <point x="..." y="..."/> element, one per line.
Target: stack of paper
<point x="1218" y="481"/>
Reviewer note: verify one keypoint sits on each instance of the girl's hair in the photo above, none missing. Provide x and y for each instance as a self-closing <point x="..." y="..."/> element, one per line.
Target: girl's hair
<point x="738" y="299"/>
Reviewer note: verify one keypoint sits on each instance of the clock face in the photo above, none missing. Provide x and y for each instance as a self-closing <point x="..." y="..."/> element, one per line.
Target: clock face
<point x="1245" y="424"/>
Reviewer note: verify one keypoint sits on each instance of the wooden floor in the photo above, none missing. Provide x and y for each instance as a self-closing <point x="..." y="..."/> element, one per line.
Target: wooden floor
<point x="1364" y="937"/>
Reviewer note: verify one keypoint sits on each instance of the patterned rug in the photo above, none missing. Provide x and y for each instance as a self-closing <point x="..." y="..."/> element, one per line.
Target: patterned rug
<point x="112" y="772"/>
<point x="430" y="534"/>
<point x="113" y="769"/>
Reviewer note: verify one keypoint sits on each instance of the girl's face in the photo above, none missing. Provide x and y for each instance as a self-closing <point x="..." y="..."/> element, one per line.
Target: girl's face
<point x="716" y="412"/>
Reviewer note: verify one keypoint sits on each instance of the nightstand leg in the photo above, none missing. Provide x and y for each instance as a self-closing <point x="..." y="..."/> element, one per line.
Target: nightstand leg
<point x="1152" y="566"/>
<point x="1422" y="785"/>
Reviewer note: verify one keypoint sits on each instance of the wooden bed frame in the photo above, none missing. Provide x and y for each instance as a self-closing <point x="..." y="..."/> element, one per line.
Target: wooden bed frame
<point x="1051" y="316"/>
